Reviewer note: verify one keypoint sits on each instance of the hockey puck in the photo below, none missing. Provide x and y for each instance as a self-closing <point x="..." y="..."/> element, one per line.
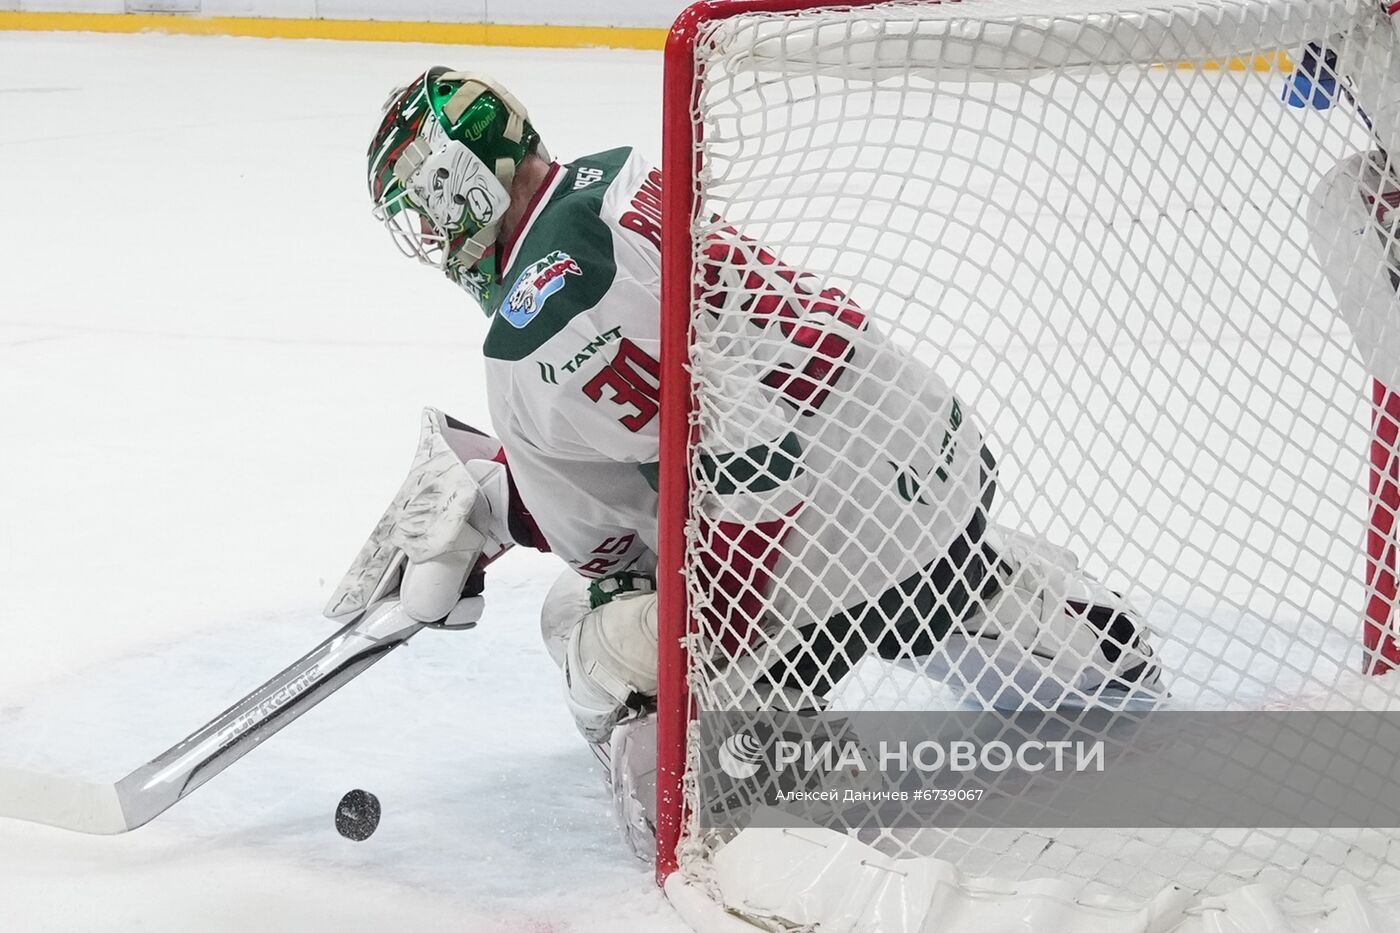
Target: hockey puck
<point x="357" y="817"/>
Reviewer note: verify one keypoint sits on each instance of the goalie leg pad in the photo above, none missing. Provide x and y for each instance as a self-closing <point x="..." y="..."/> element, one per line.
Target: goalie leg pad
<point x="564" y="607"/>
<point x="610" y="664"/>
<point x="631" y="763"/>
<point x="1050" y="634"/>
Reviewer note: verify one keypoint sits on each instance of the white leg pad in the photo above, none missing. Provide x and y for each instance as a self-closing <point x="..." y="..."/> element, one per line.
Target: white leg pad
<point x="564" y="607"/>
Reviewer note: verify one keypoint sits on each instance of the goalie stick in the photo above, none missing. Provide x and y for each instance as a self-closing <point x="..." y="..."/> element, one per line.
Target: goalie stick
<point x="171" y="776"/>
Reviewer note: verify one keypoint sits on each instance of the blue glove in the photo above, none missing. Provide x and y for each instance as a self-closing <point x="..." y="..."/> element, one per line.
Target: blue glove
<point x="1314" y="82"/>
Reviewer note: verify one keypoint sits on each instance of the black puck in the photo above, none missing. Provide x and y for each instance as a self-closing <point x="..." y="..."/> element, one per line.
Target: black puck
<point x="357" y="817"/>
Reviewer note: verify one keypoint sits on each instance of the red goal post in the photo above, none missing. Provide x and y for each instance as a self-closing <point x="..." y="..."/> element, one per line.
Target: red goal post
<point x="1382" y="561"/>
<point x="681" y="164"/>
<point x="679" y="161"/>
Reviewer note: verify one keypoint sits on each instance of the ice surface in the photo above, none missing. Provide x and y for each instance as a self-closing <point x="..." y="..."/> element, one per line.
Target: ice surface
<point x="211" y="365"/>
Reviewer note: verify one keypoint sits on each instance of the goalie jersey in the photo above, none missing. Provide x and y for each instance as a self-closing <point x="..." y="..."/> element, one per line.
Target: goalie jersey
<point x="824" y="439"/>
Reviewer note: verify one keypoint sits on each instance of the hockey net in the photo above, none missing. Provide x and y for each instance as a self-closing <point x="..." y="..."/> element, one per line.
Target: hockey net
<point x="1098" y="225"/>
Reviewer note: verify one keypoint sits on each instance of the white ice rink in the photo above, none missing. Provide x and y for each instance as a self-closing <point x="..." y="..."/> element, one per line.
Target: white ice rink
<point x="211" y="365"/>
<point x="212" y="361"/>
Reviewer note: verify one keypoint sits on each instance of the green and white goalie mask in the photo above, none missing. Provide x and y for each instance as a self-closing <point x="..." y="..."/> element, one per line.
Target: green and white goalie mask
<point x="449" y="194"/>
<point x="440" y="171"/>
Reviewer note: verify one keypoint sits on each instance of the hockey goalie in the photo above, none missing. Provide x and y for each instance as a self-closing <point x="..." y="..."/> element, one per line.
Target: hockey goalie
<point x="850" y="492"/>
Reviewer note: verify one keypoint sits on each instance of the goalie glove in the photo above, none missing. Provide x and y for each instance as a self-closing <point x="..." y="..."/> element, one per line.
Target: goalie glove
<point x="449" y="518"/>
<point x="610" y="660"/>
<point x="1314" y="82"/>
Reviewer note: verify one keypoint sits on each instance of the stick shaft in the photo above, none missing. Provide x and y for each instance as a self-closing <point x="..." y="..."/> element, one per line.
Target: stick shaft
<point x="159" y="784"/>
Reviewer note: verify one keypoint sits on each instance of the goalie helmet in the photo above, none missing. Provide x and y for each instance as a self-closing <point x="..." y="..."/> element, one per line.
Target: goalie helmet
<point x="440" y="171"/>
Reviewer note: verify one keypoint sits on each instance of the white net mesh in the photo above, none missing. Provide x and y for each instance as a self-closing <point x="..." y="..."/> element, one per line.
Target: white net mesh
<point x="1090" y="245"/>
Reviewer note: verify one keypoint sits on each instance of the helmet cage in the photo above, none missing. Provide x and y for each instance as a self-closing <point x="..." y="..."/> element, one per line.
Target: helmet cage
<point x="446" y="204"/>
<point x="443" y="194"/>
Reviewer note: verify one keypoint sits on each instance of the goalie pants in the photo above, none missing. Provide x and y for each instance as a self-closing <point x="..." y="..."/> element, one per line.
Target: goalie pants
<point x="905" y="621"/>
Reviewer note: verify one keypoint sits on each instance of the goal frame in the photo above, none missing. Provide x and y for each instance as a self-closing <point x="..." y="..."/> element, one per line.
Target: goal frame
<point x="681" y="165"/>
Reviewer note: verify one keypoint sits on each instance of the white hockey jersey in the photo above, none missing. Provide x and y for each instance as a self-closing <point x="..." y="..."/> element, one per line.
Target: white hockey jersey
<point x="571" y="362"/>
<point x="836" y="439"/>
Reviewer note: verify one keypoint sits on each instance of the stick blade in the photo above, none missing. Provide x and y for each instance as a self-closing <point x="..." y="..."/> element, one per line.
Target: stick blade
<point x="67" y="803"/>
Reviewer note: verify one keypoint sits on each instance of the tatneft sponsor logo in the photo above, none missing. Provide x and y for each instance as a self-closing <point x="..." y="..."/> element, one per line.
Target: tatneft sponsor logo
<point x="1032" y="756"/>
<point x="278" y="699"/>
<point x="549" y="373"/>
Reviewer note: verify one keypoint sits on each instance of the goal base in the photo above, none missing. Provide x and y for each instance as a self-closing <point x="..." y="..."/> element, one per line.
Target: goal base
<point x="818" y="879"/>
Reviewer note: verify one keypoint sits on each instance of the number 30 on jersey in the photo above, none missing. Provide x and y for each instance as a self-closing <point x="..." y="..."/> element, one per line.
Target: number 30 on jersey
<point x="633" y="381"/>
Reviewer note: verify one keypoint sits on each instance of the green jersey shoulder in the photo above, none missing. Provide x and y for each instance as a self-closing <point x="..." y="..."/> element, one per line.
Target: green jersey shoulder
<point x="564" y="260"/>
